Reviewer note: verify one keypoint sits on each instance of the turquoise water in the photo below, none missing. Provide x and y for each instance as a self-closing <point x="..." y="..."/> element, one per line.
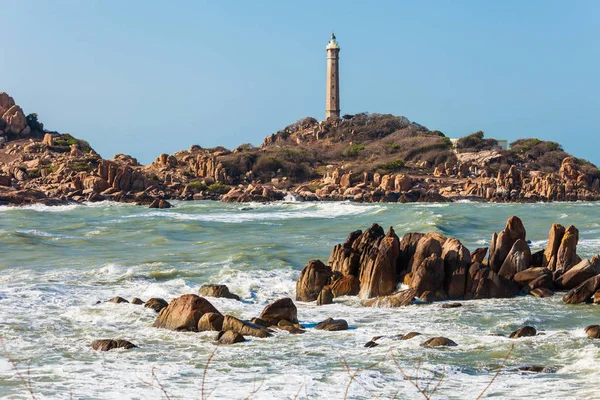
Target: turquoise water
<point x="57" y="262"/>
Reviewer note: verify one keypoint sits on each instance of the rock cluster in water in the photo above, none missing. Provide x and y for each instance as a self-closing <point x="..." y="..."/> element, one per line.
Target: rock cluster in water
<point x="373" y="263"/>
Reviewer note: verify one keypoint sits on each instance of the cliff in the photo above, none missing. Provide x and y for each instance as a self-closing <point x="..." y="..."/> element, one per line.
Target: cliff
<point x="363" y="157"/>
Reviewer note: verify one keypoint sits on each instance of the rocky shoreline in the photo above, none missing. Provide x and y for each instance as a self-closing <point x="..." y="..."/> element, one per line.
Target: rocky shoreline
<point x="364" y="158"/>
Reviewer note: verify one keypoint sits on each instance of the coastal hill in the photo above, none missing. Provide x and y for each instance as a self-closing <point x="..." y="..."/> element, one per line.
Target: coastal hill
<point x="363" y="157"/>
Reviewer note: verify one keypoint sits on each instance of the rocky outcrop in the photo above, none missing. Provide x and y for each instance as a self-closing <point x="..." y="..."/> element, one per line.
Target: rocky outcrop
<point x="378" y="274"/>
<point x="517" y="260"/>
<point x="311" y="281"/>
<point x="578" y="274"/>
<point x="566" y="257"/>
<point x="457" y="260"/>
<point x="554" y="239"/>
<point x="429" y="275"/>
<point x="503" y="242"/>
<point x="217" y="291"/>
<point x="184" y="313"/>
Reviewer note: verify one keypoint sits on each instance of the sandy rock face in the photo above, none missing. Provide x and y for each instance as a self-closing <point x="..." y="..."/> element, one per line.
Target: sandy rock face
<point x="184" y="313"/>
<point x="6" y="102"/>
<point x="378" y="275"/>
<point x="504" y="241"/>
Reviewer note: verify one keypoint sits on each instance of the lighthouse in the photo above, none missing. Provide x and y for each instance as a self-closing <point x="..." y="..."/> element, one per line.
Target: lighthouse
<point x="332" y="104"/>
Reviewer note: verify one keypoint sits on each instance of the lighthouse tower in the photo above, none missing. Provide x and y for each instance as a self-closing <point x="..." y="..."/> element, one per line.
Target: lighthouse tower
<point x="332" y="105"/>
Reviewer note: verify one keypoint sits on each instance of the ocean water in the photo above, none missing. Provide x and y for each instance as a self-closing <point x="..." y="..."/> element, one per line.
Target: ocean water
<point x="57" y="262"/>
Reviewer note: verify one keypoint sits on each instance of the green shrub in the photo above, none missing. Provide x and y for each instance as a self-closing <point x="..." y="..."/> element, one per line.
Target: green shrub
<point x="82" y="167"/>
<point x="198" y="186"/>
<point x="218" y="188"/>
<point x="394" y="146"/>
<point x="474" y="142"/>
<point x="392" y="166"/>
<point x="354" y="149"/>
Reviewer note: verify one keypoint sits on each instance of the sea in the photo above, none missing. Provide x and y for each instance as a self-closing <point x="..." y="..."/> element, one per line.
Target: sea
<point x="59" y="265"/>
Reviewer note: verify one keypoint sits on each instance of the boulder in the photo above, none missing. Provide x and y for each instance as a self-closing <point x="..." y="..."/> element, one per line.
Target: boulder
<point x="428" y="275"/>
<point x="325" y="297"/>
<point x="95" y="183"/>
<point x="542" y="282"/>
<point x="541" y="292"/>
<point x="118" y="299"/>
<point x="398" y="299"/>
<point x="291" y="328"/>
<point x="15" y="119"/>
<point x="428" y="245"/>
<point x="523" y="332"/>
<point x="555" y="236"/>
<point x="110" y="344"/>
<point x="457" y="260"/>
<point x="410" y="335"/>
<point x="566" y="257"/>
<point x="596" y="297"/>
<point x="156" y="304"/>
<point x="478" y="255"/>
<point x="503" y="242"/>
<point x="331" y="324"/>
<point x="517" y="260"/>
<point x="451" y="305"/>
<point x="137" y="301"/>
<point x="378" y="274"/>
<point x="244" y="327"/>
<point x="439" y="341"/>
<point x="183" y="313"/>
<point x="210" y="322"/>
<point x="483" y="283"/>
<point x="430" y="297"/>
<point x="311" y="280"/>
<point x="522" y="278"/>
<point x="347" y="285"/>
<point x="578" y="274"/>
<point x="583" y="292"/>
<point x="217" y="291"/>
<point x="408" y="246"/>
<point x="230" y="337"/>
<point x="160" y="203"/>
<point x="280" y="309"/>
<point x="593" y="331"/>
<point x="344" y="258"/>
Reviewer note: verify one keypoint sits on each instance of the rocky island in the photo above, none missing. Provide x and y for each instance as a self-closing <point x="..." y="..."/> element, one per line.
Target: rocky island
<point x="362" y="158"/>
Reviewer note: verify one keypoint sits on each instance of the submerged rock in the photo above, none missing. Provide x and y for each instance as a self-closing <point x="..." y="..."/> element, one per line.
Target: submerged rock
<point x="331" y="324"/>
<point x="156" y="304"/>
<point x="451" y="305"/>
<point x="230" y="337"/>
<point x="398" y="299"/>
<point x="217" y="291"/>
<point x="160" y="203"/>
<point x="410" y="335"/>
<point x="593" y="331"/>
<point x="439" y="341"/>
<point x="110" y="344"/>
<point x="523" y="332"/>
<point x="137" y="301"/>
<point x="117" y="300"/>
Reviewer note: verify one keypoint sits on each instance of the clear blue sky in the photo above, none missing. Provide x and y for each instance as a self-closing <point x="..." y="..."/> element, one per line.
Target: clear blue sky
<point x="147" y="77"/>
